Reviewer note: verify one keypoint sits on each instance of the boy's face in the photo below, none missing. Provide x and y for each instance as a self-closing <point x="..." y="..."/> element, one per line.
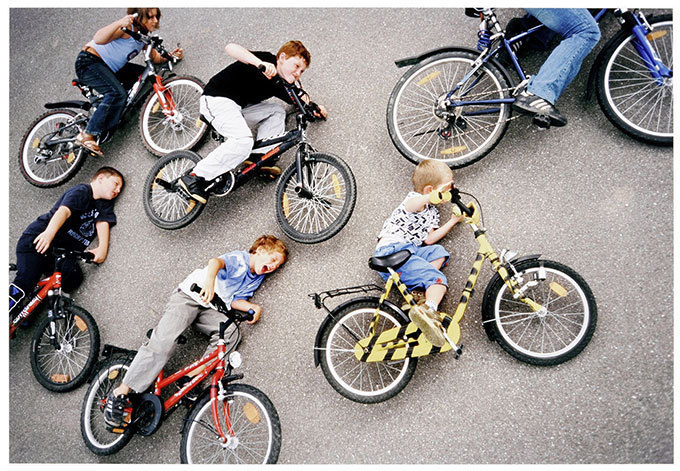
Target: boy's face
<point x="290" y="68"/>
<point x="264" y="261"/>
<point x="110" y="186"/>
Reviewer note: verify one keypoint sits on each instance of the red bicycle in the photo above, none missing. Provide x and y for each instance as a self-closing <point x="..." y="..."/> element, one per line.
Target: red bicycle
<point x="226" y="422"/>
<point x="65" y="344"/>
<point x="169" y="120"/>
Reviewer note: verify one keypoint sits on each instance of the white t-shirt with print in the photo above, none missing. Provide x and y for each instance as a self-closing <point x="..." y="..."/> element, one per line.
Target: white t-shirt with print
<point x="404" y="226"/>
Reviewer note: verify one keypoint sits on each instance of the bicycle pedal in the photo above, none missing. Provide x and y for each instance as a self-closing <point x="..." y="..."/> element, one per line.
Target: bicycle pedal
<point x="541" y="121"/>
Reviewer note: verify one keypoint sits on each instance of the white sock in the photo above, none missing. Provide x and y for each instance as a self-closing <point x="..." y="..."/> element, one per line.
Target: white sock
<point x="432" y="305"/>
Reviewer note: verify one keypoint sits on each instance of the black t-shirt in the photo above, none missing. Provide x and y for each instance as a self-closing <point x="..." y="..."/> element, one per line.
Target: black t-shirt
<point x="79" y="229"/>
<point x="245" y="84"/>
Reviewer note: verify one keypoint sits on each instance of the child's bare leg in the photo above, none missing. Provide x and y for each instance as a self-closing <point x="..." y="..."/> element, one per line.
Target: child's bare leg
<point x="438" y="263"/>
<point x="434" y="295"/>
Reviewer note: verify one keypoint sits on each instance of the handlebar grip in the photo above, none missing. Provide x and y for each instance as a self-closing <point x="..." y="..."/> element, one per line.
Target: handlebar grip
<point x="261" y="68"/>
<point x="87" y="256"/>
<point x="455" y="198"/>
<point x="216" y="300"/>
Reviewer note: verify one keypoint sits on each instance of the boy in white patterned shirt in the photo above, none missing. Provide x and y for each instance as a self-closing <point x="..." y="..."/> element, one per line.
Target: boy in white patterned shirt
<point x="414" y="226"/>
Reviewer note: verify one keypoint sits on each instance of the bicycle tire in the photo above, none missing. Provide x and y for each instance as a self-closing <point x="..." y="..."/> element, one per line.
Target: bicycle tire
<point x="255" y="441"/>
<point x="92" y="427"/>
<point x="65" y="368"/>
<point x="651" y="121"/>
<point x="161" y="136"/>
<point x="169" y="209"/>
<point x="518" y="329"/>
<point x="416" y="131"/>
<point x="339" y="365"/>
<point x="57" y="171"/>
<point x="316" y="219"/>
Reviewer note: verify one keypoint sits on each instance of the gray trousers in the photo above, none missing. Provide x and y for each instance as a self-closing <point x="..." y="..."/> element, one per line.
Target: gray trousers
<point x="180" y="312"/>
<point x="233" y="122"/>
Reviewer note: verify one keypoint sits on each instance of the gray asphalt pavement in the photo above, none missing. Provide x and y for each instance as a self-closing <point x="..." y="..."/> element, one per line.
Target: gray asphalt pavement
<point x="585" y="195"/>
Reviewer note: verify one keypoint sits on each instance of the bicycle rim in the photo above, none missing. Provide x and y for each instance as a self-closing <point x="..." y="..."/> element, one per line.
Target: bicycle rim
<point x="252" y="436"/>
<point x="315" y="218"/>
<point x="163" y="134"/>
<point x="635" y="97"/>
<point x="420" y="134"/>
<point x="550" y="333"/>
<point x="65" y="363"/>
<point x="356" y="377"/>
<point x="166" y="208"/>
<point x="60" y="160"/>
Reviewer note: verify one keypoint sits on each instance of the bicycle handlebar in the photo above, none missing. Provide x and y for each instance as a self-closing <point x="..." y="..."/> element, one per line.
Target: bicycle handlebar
<point x="221" y="306"/>
<point x="455" y="199"/>
<point x="156" y="42"/>
<point x="85" y="256"/>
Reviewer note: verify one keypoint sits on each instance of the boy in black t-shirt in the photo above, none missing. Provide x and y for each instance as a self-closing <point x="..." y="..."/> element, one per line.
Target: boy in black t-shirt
<point x="80" y="214"/>
<point x="234" y="99"/>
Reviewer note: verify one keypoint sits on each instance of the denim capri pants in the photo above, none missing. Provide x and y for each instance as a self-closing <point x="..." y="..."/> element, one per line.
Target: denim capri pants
<point x="417" y="272"/>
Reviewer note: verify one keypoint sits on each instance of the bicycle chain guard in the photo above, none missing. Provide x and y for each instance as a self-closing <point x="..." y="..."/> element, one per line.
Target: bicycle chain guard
<point x="147" y="414"/>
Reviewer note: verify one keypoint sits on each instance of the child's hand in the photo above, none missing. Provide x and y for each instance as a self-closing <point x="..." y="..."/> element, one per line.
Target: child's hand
<point x="269" y="70"/>
<point x="208" y="292"/>
<point x="256" y="316"/>
<point x="42" y="242"/>
<point x="126" y="21"/>
<point x="178" y="53"/>
<point x="322" y="110"/>
<point x="100" y="254"/>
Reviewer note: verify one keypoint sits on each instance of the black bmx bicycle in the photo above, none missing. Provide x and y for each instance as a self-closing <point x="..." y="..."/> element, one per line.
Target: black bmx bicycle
<point x="315" y="195"/>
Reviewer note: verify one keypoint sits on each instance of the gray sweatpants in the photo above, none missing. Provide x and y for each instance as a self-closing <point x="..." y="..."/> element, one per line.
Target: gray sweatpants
<point x="180" y="312"/>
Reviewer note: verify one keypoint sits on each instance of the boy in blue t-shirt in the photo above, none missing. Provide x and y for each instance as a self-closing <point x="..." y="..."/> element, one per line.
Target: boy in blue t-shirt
<point x="234" y="277"/>
<point x="80" y="215"/>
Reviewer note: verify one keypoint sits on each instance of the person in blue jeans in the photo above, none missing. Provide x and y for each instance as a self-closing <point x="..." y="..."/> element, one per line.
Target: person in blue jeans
<point x="103" y="64"/>
<point x="414" y="226"/>
<point x="580" y="33"/>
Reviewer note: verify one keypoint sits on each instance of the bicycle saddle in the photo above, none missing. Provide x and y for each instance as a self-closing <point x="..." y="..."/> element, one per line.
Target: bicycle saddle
<point x="393" y="261"/>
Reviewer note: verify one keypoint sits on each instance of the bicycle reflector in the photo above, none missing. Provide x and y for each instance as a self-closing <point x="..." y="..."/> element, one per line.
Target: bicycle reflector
<point x="251" y="413"/>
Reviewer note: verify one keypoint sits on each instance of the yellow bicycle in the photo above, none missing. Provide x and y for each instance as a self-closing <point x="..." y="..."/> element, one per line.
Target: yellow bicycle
<point x="539" y="311"/>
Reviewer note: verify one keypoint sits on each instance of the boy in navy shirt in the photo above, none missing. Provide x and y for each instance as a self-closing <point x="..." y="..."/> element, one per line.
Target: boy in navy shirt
<point x="79" y="215"/>
<point x="234" y="277"/>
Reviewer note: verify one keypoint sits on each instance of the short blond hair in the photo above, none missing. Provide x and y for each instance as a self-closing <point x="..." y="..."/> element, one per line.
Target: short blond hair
<point x="430" y="172"/>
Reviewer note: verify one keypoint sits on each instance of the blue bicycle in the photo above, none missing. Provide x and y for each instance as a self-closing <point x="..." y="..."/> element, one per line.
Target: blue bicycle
<point x="454" y="103"/>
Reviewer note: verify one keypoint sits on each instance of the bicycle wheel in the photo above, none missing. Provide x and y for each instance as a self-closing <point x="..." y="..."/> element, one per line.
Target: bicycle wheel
<point x="628" y="95"/>
<point x="162" y="134"/>
<point x="459" y="135"/>
<point x="324" y="211"/>
<point x="556" y="333"/>
<point x="67" y="365"/>
<point x="165" y="204"/>
<point x="362" y="381"/>
<point x="92" y="427"/>
<point x="247" y="418"/>
<point x="48" y="165"/>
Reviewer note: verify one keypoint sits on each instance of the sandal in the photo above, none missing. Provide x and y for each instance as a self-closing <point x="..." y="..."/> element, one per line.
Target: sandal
<point x="87" y="141"/>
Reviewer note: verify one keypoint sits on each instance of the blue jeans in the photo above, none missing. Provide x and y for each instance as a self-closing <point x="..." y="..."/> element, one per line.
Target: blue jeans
<point x="417" y="272"/>
<point x="580" y="33"/>
<point x="92" y="71"/>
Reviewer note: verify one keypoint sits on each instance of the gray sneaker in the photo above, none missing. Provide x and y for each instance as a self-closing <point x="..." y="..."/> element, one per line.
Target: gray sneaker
<point x="427" y="321"/>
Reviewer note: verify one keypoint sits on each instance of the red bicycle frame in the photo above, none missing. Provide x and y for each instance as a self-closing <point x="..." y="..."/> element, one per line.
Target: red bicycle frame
<point x="50" y="283"/>
<point x="165" y="100"/>
<point x="215" y="365"/>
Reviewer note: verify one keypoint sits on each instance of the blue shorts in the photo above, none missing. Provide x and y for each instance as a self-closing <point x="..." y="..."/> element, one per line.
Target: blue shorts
<point x="417" y="272"/>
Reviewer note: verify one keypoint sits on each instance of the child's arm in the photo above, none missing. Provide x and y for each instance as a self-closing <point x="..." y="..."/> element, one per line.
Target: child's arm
<point x="102" y="250"/>
<point x="113" y="31"/>
<point x="44" y="239"/>
<point x="243" y="305"/>
<point x="436" y="235"/>
<point x="208" y="290"/>
<point x="242" y="54"/>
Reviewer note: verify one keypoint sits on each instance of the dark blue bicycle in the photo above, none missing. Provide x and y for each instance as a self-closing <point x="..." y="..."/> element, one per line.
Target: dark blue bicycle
<point x="455" y="103"/>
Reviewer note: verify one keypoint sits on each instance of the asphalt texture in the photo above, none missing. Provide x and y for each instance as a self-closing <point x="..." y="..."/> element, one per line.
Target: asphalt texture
<point x="585" y="195"/>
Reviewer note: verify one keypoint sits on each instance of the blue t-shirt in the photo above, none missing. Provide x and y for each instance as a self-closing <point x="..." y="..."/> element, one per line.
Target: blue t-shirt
<point x="118" y="52"/>
<point x="233" y="282"/>
<point x="79" y="230"/>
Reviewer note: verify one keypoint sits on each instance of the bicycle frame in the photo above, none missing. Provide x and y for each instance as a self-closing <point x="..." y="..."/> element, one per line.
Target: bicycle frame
<point x="402" y="342"/>
<point x="48" y="286"/>
<point x="657" y="69"/>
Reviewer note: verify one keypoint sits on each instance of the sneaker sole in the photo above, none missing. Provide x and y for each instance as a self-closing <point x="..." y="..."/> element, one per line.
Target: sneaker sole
<point x="198" y="198"/>
<point x="432" y="333"/>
